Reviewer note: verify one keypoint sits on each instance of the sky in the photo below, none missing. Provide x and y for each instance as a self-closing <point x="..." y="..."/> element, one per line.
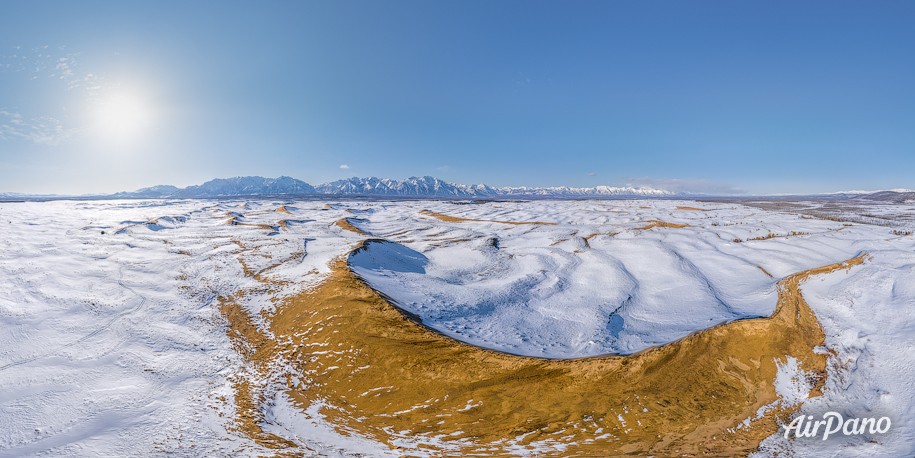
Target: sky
<point x="705" y="96"/>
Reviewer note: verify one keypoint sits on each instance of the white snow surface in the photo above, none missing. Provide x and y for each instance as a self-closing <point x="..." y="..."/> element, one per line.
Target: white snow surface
<point x="112" y="344"/>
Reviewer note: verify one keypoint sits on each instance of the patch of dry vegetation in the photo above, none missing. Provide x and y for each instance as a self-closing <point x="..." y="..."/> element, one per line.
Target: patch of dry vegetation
<point x="771" y="235"/>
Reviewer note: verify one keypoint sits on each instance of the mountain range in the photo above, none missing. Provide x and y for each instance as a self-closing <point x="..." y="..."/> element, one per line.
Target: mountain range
<point x="421" y="187"/>
<point x="372" y="186"/>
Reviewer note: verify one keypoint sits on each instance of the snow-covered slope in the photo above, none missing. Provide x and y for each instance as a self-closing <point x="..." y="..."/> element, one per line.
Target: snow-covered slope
<point x="595" y="282"/>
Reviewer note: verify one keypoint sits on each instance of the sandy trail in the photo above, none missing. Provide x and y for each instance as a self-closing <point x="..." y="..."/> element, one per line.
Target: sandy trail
<point x="381" y="374"/>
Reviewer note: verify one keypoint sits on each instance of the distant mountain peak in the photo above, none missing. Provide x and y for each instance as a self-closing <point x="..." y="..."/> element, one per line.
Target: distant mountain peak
<point x="414" y="186"/>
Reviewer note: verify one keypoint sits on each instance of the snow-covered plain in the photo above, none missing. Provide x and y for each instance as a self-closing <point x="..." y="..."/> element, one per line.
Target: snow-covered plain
<point x="112" y="343"/>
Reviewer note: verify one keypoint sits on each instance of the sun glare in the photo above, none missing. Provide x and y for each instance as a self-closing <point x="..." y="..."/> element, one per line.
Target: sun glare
<point x="122" y="117"/>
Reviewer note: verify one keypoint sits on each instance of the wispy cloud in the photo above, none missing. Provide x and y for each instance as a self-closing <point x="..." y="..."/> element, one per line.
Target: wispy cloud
<point x="50" y="64"/>
<point x="591" y="174"/>
<point x="43" y="62"/>
<point x="344" y="167"/>
<point x="685" y="185"/>
<point x="42" y="130"/>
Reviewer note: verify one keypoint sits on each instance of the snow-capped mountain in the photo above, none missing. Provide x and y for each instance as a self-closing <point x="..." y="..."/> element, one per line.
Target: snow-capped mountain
<point x="227" y="187"/>
<point x="414" y="186"/>
<point x="433" y="187"/>
<point x="246" y="186"/>
<point x="421" y="187"/>
<point x="8" y="196"/>
<point x="162" y="190"/>
<point x="372" y="186"/>
<point x="897" y="196"/>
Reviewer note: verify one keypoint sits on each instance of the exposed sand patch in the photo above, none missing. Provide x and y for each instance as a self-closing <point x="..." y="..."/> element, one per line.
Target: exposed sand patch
<point x="347" y="225"/>
<point x="382" y="374"/>
<point x="282" y="209"/>
<point x="658" y="223"/>
<point x="587" y="238"/>
<point x="236" y="221"/>
<point x="608" y="234"/>
<point x="686" y="208"/>
<point x="457" y="219"/>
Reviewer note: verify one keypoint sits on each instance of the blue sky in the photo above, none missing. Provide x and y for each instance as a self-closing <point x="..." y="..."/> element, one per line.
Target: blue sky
<point x="757" y="96"/>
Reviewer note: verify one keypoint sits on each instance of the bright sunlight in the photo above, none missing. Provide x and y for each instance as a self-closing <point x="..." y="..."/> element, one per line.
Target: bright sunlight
<point x="122" y="117"/>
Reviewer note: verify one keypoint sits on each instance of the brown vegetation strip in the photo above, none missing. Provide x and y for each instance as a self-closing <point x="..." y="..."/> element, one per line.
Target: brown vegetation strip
<point x="379" y="373"/>
<point x="457" y="219"/>
<point x="772" y="235"/>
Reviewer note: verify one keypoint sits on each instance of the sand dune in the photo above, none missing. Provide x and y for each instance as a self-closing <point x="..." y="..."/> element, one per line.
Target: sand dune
<point x="381" y="374"/>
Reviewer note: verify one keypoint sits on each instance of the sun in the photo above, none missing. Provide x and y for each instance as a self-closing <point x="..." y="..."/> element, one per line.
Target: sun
<point x="122" y="117"/>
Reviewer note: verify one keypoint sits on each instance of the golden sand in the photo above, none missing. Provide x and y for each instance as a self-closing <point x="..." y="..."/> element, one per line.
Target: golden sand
<point x="381" y="374"/>
<point x="587" y="238"/>
<point x="347" y="225"/>
<point x="695" y="209"/>
<point x="235" y="222"/>
<point x="658" y="223"/>
<point x="457" y="219"/>
<point x="282" y="209"/>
